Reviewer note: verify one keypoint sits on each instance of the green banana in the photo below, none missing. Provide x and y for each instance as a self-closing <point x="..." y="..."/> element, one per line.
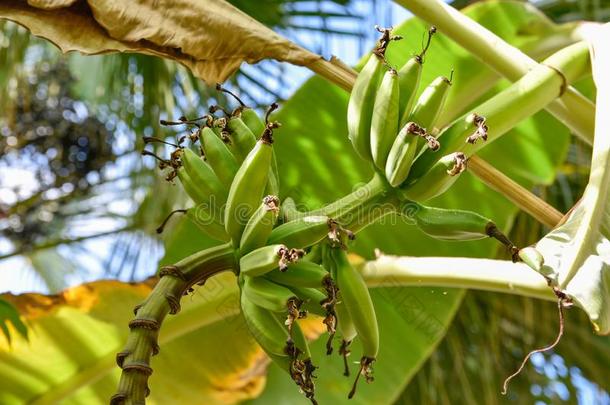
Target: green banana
<point x="267" y="258"/>
<point x="402" y="153"/>
<point x="248" y="185"/>
<point x="218" y="155"/>
<point x="243" y="138"/>
<point x="318" y="303"/>
<point x="355" y="295"/>
<point x="408" y="82"/>
<point x="409" y="77"/>
<point x="259" y="225"/>
<point x="272" y="296"/>
<point x="195" y="193"/>
<point x="312" y="299"/>
<point x="302" y="274"/>
<point x="361" y="104"/>
<point x="430" y="104"/>
<point x="300" y="341"/>
<point x="203" y="176"/>
<point x="452" y="224"/>
<point x="384" y="123"/>
<point x="301" y="367"/>
<point x="289" y="210"/>
<point x="266" y="329"/>
<point x="437" y="180"/>
<point x="302" y="232"/>
<point x="209" y="223"/>
<point x="348" y="332"/>
<point x="252" y="121"/>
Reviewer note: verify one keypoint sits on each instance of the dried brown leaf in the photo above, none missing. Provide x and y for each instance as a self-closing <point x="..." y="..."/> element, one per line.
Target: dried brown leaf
<point x="210" y="37"/>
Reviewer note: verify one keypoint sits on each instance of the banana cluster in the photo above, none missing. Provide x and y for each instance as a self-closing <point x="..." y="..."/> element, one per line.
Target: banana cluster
<point x="289" y="265"/>
<point x="281" y="283"/>
<point x="389" y="126"/>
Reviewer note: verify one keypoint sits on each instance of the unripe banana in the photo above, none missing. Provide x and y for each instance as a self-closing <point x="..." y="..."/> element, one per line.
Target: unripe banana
<point x="302" y="274"/>
<point x="243" y="138"/>
<point x="252" y="121"/>
<point x="312" y="299"/>
<point x="321" y="304"/>
<point x="256" y="125"/>
<point x="360" y="106"/>
<point x="408" y="82"/>
<point x="437" y="180"/>
<point x="451" y="224"/>
<point x="259" y="225"/>
<point x="355" y="295"/>
<point x="203" y="176"/>
<point x="209" y="222"/>
<point x="302" y="232"/>
<point x="430" y="104"/>
<point x="300" y="341"/>
<point x="402" y="153"/>
<point x="267" y="258"/>
<point x="195" y="193"/>
<point x="269" y="295"/>
<point x="384" y="123"/>
<point x="247" y="187"/>
<point x="266" y="329"/>
<point x="409" y="77"/>
<point x="218" y="155"/>
<point x="289" y="210"/>
<point x="348" y="332"/>
<point x="262" y="260"/>
<point x="301" y="368"/>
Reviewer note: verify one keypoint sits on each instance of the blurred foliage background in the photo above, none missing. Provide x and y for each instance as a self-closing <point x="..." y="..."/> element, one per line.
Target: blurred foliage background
<point x="77" y="201"/>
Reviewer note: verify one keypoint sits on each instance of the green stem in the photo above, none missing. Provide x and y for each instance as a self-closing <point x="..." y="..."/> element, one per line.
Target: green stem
<point x="141" y="344"/>
<point x="371" y="191"/>
<point x="503" y="111"/>
<point x="573" y="109"/>
<point x="457" y="272"/>
<point x="474" y="87"/>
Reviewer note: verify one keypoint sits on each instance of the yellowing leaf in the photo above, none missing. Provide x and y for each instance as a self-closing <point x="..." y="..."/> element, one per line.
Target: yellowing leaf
<point x="210" y="37"/>
<point x="206" y="351"/>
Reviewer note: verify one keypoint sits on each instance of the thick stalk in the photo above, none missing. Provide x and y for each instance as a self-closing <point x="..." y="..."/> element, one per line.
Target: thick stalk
<point x="572" y="109"/>
<point x="141" y="344"/>
<point x="475" y="86"/>
<point x="503" y="111"/>
<point x="371" y="191"/>
<point x="523" y="199"/>
<point x="457" y="272"/>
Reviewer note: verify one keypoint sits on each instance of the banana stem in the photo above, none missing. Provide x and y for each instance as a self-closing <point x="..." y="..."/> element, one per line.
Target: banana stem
<point x="457" y="272"/>
<point x="522" y="198"/>
<point x="141" y="344"/>
<point x="371" y="191"/>
<point x="572" y="109"/>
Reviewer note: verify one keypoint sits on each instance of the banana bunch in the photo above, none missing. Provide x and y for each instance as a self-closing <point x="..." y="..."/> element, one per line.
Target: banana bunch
<point x="389" y="126"/>
<point x="281" y="284"/>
